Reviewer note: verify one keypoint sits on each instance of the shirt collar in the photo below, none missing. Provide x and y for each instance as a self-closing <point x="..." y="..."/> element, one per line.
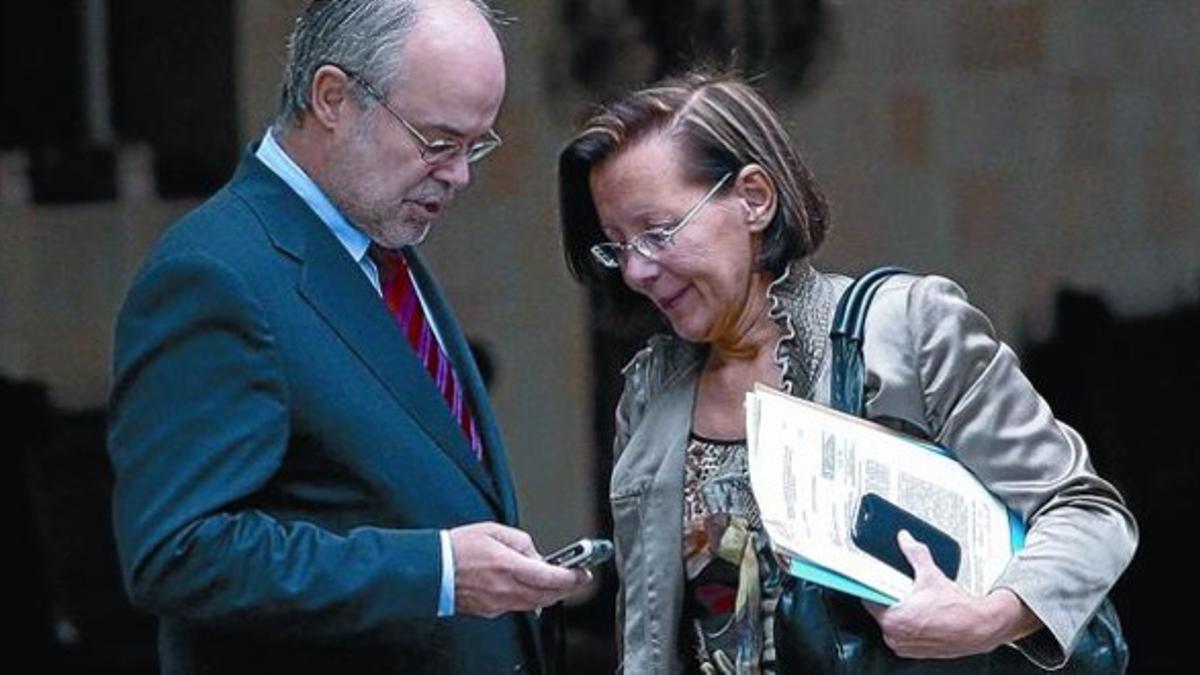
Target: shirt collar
<point x="276" y="159"/>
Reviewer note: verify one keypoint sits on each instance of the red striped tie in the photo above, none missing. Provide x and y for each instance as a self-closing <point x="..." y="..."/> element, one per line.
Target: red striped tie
<point x="405" y="307"/>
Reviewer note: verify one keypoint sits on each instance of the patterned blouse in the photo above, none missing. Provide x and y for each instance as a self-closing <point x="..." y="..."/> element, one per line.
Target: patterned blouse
<point x="732" y="580"/>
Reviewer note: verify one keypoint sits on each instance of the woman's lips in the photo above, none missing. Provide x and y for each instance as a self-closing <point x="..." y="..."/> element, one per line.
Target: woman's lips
<point x="669" y="303"/>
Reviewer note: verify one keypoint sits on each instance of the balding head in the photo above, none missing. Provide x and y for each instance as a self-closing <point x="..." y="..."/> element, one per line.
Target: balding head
<point x="452" y="52"/>
<point x="369" y="37"/>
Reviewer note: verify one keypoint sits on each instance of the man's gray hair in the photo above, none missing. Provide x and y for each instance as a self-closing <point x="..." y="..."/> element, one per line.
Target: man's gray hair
<point x="364" y="36"/>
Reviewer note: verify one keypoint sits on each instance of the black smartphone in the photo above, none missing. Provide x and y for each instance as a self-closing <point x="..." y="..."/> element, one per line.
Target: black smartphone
<point x="582" y="553"/>
<point x="879" y="521"/>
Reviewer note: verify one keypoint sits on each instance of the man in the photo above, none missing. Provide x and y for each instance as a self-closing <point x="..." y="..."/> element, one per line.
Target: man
<point x="306" y="471"/>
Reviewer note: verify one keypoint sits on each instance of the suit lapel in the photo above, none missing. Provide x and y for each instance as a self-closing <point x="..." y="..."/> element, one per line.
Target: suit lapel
<point x="468" y="372"/>
<point x="334" y="285"/>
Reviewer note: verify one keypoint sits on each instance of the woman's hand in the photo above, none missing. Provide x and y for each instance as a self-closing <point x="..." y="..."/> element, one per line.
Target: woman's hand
<point x="939" y="620"/>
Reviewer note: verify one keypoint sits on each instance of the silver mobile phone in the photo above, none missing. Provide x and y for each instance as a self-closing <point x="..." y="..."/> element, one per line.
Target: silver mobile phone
<point x="582" y="553"/>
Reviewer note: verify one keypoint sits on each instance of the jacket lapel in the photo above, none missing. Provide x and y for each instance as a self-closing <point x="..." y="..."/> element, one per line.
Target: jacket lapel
<point x="663" y="438"/>
<point x="476" y="393"/>
<point x="334" y="285"/>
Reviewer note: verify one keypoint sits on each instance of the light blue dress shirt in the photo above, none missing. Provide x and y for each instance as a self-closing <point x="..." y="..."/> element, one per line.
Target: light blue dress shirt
<point x="356" y="244"/>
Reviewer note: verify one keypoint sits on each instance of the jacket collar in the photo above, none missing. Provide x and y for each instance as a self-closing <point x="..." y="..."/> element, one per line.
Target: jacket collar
<point x="801" y="303"/>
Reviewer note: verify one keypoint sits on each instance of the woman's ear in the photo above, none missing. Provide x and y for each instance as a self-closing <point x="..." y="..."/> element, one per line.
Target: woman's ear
<point x="757" y="192"/>
<point x="330" y="96"/>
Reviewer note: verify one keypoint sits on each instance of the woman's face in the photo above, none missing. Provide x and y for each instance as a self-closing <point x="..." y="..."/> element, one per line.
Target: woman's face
<point x="702" y="281"/>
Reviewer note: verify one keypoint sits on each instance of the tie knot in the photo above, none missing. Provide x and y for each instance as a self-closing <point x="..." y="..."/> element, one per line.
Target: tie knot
<point x="389" y="262"/>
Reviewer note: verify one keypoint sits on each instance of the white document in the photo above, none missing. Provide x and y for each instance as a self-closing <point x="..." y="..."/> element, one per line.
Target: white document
<point x="809" y="467"/>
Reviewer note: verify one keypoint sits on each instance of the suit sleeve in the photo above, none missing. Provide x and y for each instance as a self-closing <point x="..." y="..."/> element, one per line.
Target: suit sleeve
<point x="198" y="424"/>
<point x="975" y="400"/>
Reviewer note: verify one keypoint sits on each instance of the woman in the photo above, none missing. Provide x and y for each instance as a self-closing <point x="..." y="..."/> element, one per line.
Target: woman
<point x="689" y="194"/>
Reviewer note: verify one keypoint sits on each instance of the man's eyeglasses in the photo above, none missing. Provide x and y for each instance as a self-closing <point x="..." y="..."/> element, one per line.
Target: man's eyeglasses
<point x="653" y="242"/>
<point x="437" y="151"/>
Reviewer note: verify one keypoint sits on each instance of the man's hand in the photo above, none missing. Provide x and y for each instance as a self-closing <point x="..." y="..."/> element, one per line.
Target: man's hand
<point x="498" y="570"/>
<point x="939" y="620"/>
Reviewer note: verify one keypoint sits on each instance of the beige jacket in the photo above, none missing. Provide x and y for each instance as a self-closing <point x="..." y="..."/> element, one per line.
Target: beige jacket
<point x="935" y="369"/>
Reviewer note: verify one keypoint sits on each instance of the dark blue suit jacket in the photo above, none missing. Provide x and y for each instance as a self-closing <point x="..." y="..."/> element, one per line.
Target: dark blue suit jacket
<point x="284" y="463"/>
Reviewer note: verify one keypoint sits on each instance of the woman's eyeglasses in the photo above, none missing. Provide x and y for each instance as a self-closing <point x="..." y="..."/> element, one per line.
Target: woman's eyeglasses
<point x="653" y="242"/>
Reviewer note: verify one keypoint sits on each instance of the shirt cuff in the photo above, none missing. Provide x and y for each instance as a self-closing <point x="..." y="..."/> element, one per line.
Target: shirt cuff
<point x="446" y="598"/>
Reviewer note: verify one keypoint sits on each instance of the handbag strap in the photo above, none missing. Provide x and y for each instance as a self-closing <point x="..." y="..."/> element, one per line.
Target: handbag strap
<point x="846" y="380"/>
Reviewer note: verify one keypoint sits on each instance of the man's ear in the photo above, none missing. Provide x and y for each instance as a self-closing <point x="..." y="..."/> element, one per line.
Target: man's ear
<point x="758" y="195"/>
<point x="331" y="101"/>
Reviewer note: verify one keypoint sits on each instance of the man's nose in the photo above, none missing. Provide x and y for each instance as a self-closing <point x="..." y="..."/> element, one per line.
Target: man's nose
<point x="455" y="172"/>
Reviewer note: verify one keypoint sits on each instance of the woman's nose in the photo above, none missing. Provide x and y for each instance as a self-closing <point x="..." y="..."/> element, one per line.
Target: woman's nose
<point x="638" y="270"/>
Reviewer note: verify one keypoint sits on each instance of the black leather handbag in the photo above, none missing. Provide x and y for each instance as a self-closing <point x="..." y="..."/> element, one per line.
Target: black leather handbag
<point x="819" y="630"/>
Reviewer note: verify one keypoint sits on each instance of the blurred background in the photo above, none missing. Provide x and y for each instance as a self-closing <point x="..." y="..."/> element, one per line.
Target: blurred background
<point x="1045" y="155"/>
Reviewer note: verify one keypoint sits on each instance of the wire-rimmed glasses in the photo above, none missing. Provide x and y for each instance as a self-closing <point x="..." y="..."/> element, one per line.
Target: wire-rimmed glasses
<point x="652" y="242"/>
<point x="436" y="151"/>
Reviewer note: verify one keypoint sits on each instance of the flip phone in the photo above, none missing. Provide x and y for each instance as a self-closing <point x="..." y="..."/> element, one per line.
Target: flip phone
<point x="582" y="553"/>
<point x="879" y="521"/>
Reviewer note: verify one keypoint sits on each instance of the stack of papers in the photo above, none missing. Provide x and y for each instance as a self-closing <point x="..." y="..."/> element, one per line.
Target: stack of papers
<point x="809" y="467"/>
